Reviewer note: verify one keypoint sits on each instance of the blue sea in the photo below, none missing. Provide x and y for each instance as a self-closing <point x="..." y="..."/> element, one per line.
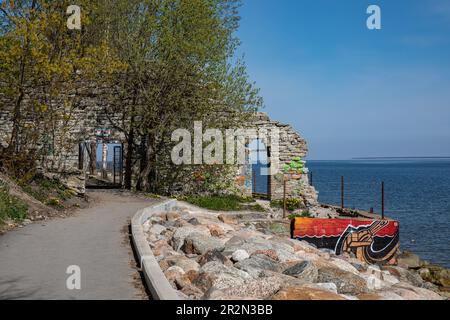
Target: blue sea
<point x="417" y="194"/>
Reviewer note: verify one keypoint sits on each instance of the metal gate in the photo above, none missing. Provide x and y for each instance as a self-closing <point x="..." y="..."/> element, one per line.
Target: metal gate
<point x="118" y="165"/>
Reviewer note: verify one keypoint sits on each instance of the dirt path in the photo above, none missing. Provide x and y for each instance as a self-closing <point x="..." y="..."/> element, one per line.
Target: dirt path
<point x="34" y="259"/>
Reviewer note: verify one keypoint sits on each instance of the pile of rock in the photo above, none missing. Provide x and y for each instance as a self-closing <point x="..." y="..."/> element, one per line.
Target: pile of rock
<point x="208" y="255"/>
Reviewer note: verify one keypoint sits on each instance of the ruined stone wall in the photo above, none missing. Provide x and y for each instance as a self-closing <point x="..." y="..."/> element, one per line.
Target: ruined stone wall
<point x="84" y="111"/>
<point x="88" y="110"/>
<point x="290" y="145"/>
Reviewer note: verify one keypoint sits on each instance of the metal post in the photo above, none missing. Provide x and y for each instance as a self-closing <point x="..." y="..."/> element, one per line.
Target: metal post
<point x="382" y="200"/>
<point x="254" y="182"/>
<point x="342" y="192"/>
<point x="284" y="198"/>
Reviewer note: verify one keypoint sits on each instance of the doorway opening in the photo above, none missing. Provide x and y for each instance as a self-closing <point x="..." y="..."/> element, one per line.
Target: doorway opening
<point x="103" y="164"/>
<point x="259" y="158"/>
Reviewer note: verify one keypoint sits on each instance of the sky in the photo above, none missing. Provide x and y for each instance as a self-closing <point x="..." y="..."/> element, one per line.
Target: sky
<point x="350" y="91"/>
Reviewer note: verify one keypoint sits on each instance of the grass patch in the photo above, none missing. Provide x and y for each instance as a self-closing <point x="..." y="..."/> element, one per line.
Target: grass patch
<point x="223" y="203"/>
<point x="291" y="204"/>
<point x="50" y="192"/>
<point x="11" y="208"/>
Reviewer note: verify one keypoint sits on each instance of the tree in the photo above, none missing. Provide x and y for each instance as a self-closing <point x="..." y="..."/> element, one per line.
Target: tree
<point x="52" y="61"/>
<point x="180" y="70"/>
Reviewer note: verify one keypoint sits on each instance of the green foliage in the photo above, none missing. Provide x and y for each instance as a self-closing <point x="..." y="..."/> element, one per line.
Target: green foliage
<point x="296" y="166"/>
<point x="303" y="214"/>
<point x="223" y="203"/>
<point x="54" y="202"/>
<point x="10" y="207"/>
<point x="291" y="204"/>
<point x="48" y="191"/>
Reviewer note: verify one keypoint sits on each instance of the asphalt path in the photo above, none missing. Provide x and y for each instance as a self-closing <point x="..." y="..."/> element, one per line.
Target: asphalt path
<point x="35" y="260"/>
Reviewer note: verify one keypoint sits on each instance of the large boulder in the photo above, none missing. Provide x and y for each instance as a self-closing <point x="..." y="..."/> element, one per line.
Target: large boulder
<point x="346" y="282"/>
<point x="181" y="261"/>
<point x="239" y="255"/>
<point x="258" y="244"/>
<point x="199" y="243"/>
<point x="223" y="276"/>
<point x="257" y="263"/>
<point x="344" y="265"/>
<point x="214" y="255"/>
<point x="304" y="270"/>
<point x="436" y="275"/>
<point x="409" y="292"/>
<point x="305" y="293"/>
<point x="409" y="260"/>
<point x="181" y="233"/>
<point x="262" y="288"/>
<point x="405" y="275"/>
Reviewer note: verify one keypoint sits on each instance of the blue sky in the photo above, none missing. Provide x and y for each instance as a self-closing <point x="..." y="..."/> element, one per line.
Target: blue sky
<point x="350" y="91"/>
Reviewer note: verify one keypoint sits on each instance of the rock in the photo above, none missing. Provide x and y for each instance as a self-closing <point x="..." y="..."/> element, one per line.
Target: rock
<point x="369" y="296"/>
<point x="443" y="277"/>
<point x="258" y="244"/>
<point x="192" y="292"/>
<point x="160" y="247"/>
<point x="172" y="216"/>
<point x="409" y="260"/>
<point x="204" y="281"/>
<point x="215" y="230"/>
<point x="257" y="263"/>
<point x="256" y="289"/>
<point x="182" y="281"/>
<point x="224" y="276"/>
<point x="375" y="283"/>
<point x="346" y="282"/>
<point x="182" y="296"/>
<point x="409" y="292"/>
<point x="272" y="254"/>
<point x="146" y="226"/>
<point x="436" y="275"/>
<point x="228" y="218"/>
<point x="405" y="275"/>
<point x="172" y="274"/>
<point x="199" y="243"/>
<point x="181" y="233"/>
<point x="181" y="261"/>
<point x="323" y="286"/>
<point x="305" y="293"/>
<point x="240" y="255"/>
<point x="389" y="295"/>
<point x="304" y="270"/>
<point x="157" y="229"/>
<point x="194" y="221"/>
<point x="344" y="265"/>
<point x="214" y="255"/>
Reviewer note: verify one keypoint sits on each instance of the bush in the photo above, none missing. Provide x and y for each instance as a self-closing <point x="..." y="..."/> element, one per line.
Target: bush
<point x="303" y="214"/>
<point x="291" y="204"/>
<point x="11" y="207"/>
<point x="49" y="192"/>
<point x="223" y="202"/>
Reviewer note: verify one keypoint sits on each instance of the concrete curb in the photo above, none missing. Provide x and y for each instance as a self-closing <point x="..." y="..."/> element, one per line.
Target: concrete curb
<point x="157" y="282"/>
